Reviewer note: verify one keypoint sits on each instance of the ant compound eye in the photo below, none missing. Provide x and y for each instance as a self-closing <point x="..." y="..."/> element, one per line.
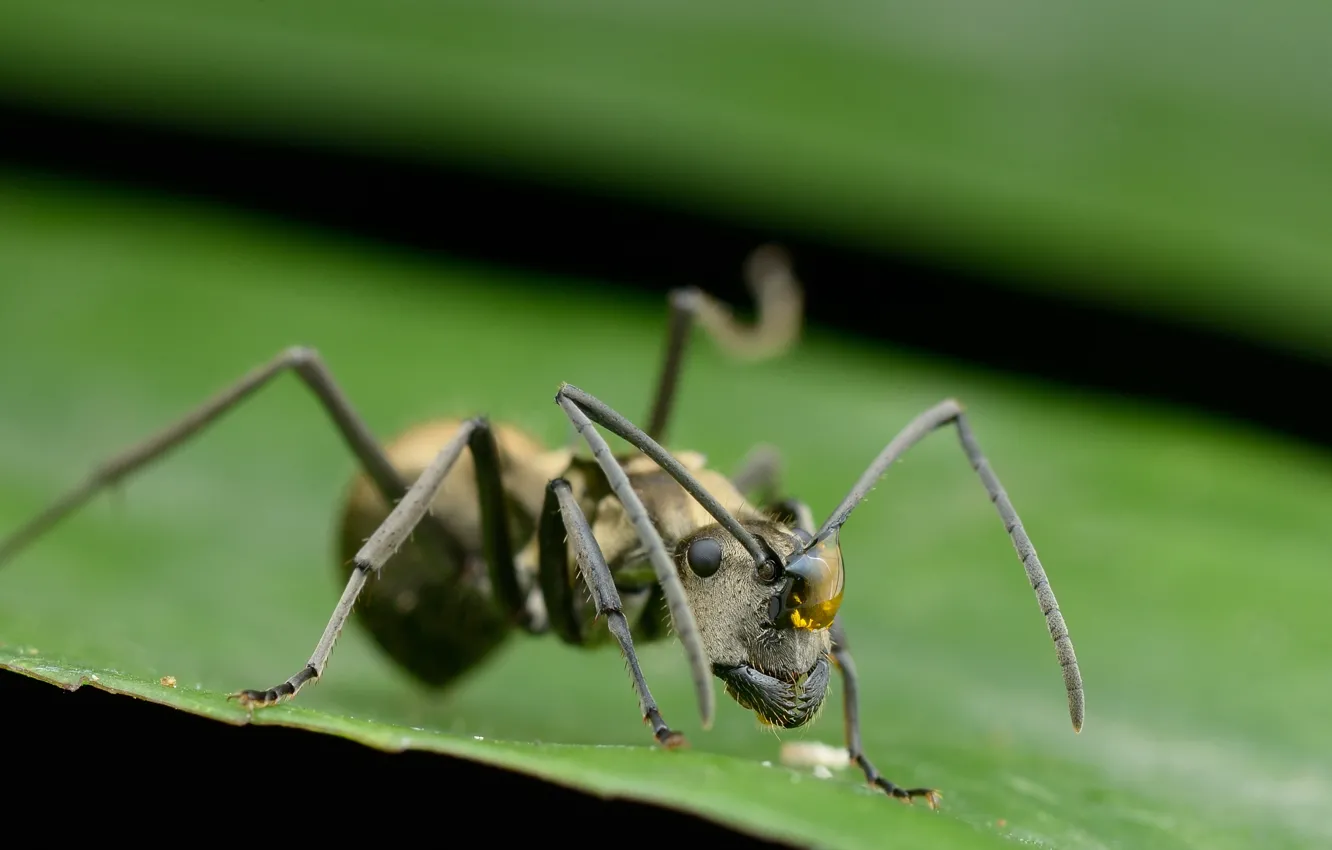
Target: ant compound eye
<point x="704" y="556"/>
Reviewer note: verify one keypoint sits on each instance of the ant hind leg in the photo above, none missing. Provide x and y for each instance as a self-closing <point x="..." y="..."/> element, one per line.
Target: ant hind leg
<point x="475" y="435"/>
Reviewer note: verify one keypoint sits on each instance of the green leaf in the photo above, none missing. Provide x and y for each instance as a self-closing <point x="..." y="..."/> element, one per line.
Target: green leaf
<point x="1171" y="156"/>
<point x="1189" y="557"/>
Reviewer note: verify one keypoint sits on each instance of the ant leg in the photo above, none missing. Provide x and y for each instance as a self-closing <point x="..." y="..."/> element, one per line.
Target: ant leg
<point x="560" y="504"/>
<point x="583" y="409"/>
<point x="794" y="512"/>
<point x="553" y="566"/>
<point x="851" y="710"/>
<point x="496" y="545"/>
<point x="305" y="362"/>
<point x="576" y="405"/>
<point x="391" y="534"/>
<point x="780" y="302"/>
<point x="759" y="474"/>
<point x="841" y="652"/>
<point x="944" y="413"/>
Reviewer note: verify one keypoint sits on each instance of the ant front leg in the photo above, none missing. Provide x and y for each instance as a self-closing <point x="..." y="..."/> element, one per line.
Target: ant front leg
<point x="802" y="519"/>
<point x="562" y="517"/>
<point x="476" y="435"/>
<point x="851" y="711"/>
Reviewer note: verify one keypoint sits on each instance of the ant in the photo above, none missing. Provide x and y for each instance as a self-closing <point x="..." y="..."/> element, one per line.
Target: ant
<point x="498" y="537"/>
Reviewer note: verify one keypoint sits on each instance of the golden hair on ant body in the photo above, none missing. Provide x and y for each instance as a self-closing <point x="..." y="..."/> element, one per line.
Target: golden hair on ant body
<point x="488" y="532"/>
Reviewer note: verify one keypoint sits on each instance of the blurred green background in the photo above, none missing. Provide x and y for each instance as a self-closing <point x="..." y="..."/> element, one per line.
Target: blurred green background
<point x="1166" y="158"/>
<point x="1164" y="155"/>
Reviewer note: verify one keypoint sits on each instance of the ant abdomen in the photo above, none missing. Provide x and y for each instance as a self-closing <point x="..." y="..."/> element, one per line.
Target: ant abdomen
<point x="431" y="609"/>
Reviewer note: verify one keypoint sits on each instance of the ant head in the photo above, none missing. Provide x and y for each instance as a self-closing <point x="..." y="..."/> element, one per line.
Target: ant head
<point x="765" y="626"/>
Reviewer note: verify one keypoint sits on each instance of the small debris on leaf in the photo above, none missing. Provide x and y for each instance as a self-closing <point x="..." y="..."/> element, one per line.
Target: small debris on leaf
<point x="814" y="754"/>
<point x="169" y="681"/>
